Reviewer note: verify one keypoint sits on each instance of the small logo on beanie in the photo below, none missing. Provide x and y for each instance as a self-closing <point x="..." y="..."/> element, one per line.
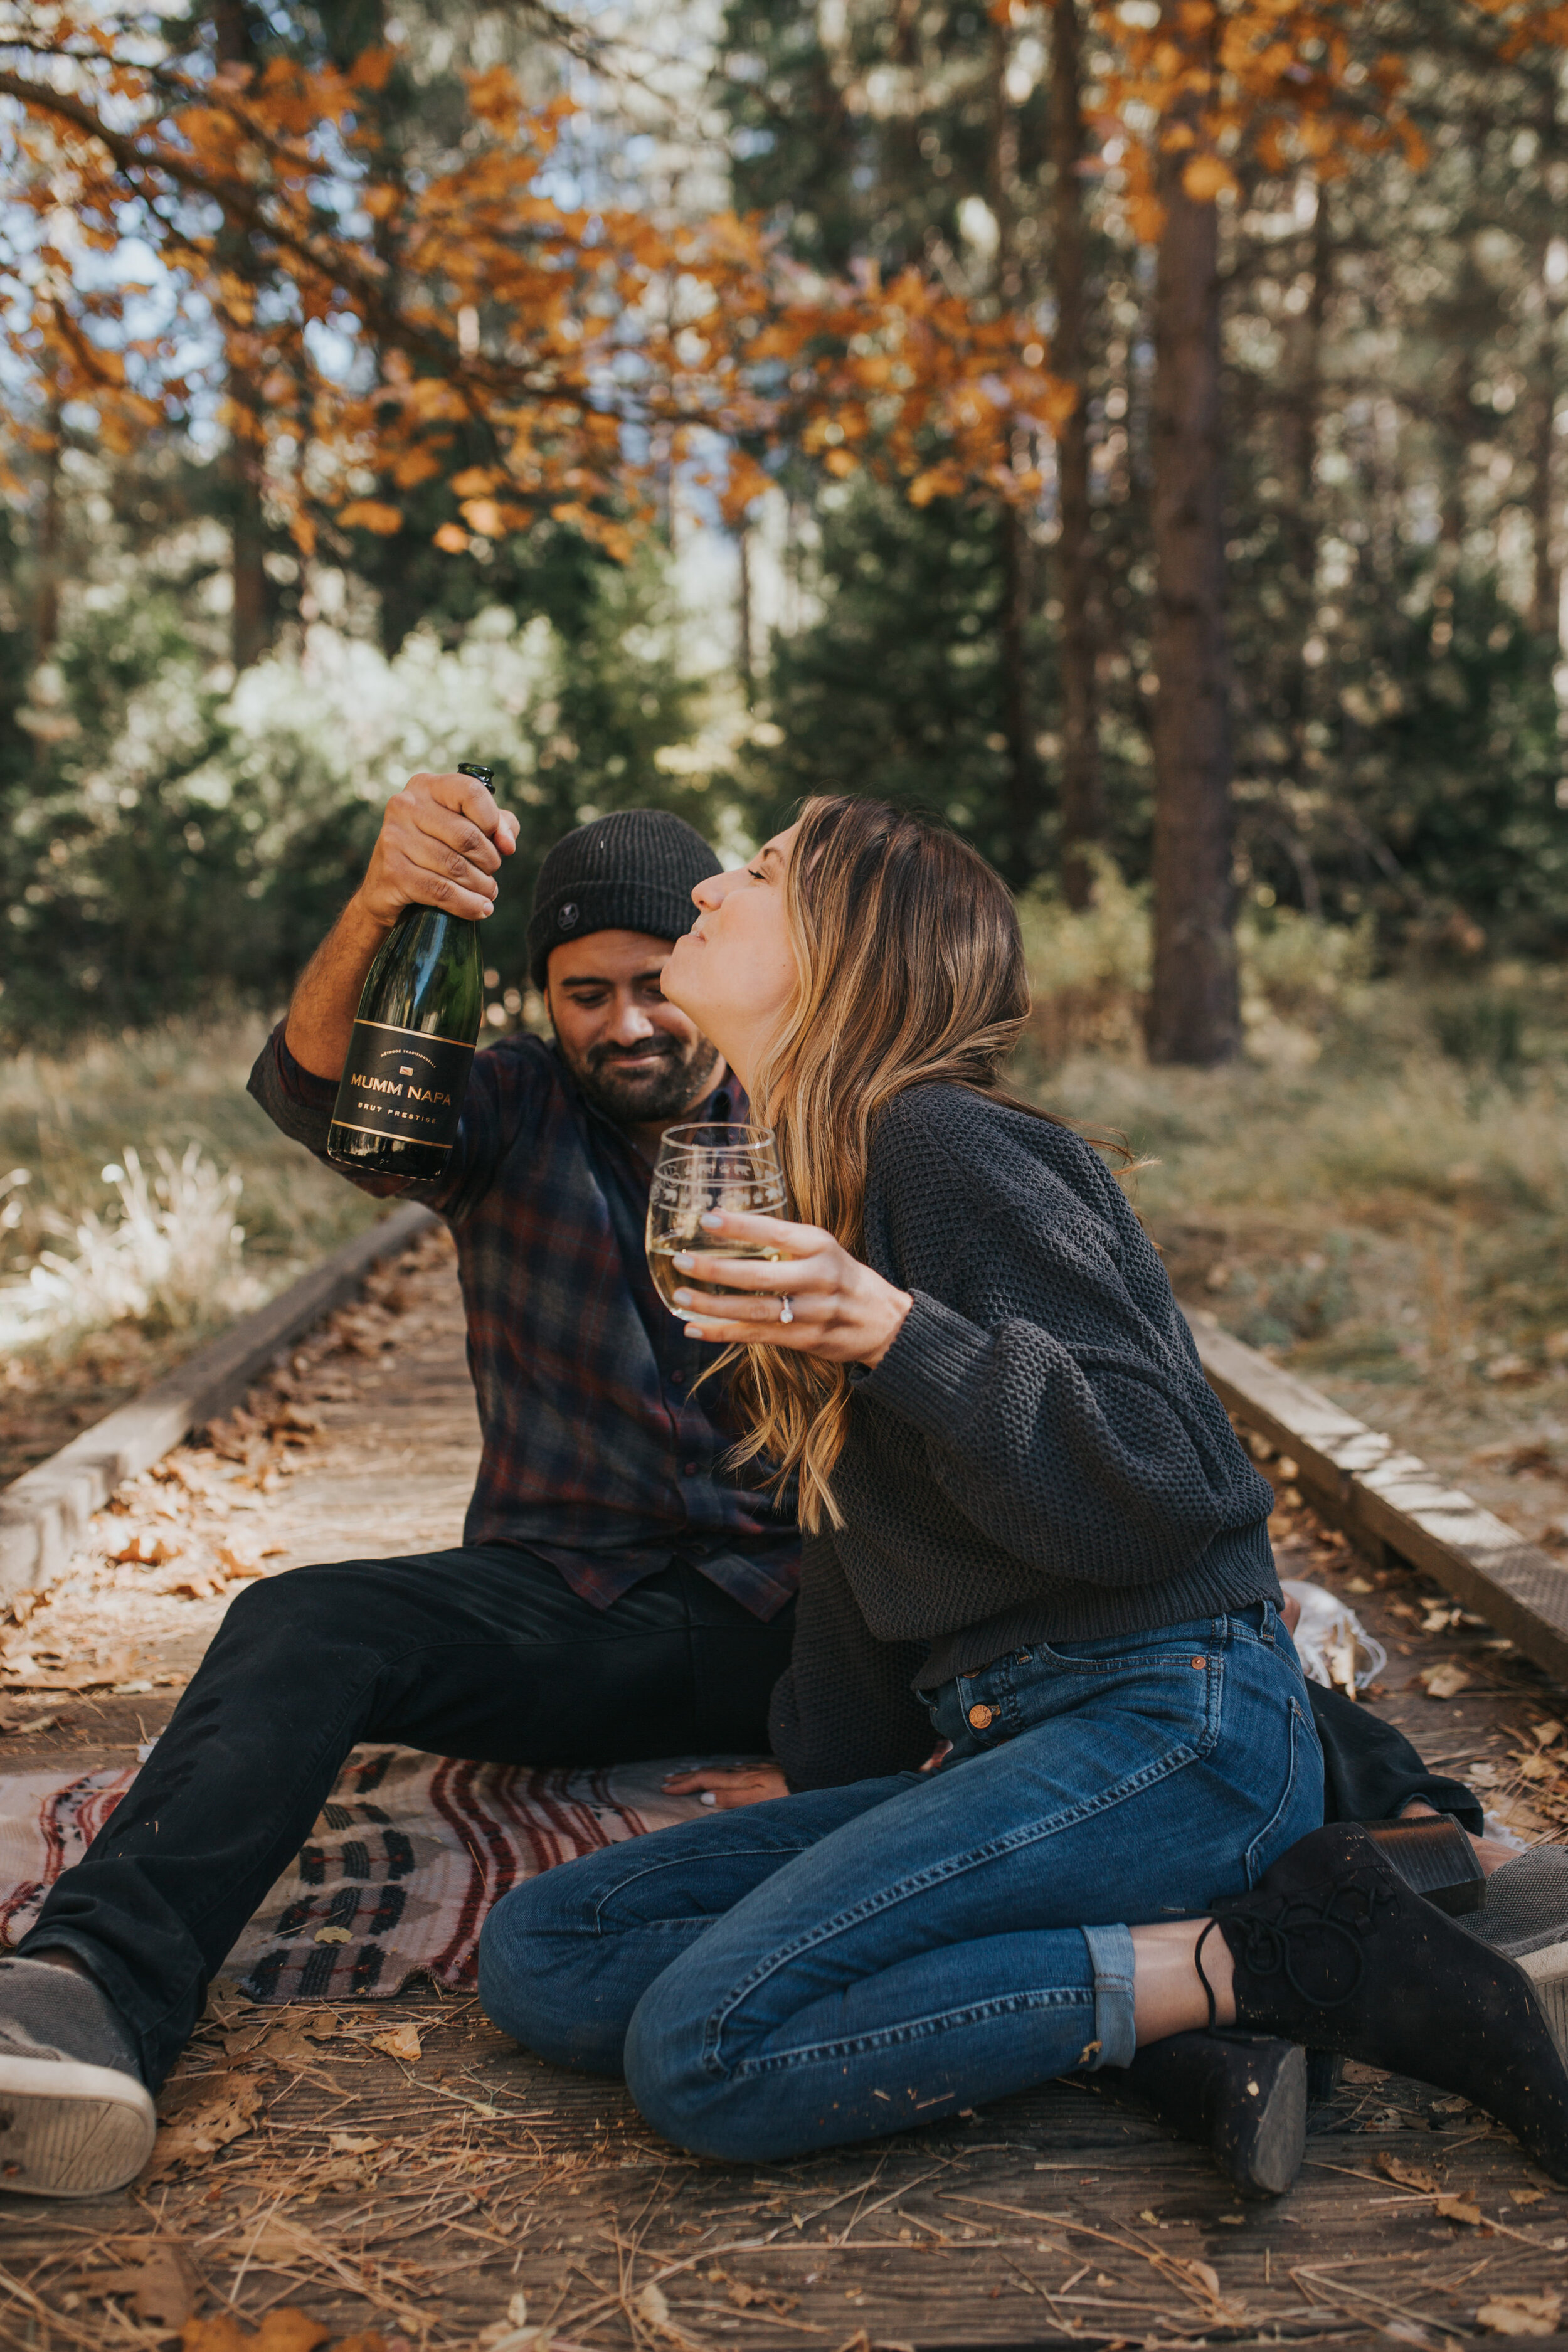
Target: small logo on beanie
<point x="567" y="918"/>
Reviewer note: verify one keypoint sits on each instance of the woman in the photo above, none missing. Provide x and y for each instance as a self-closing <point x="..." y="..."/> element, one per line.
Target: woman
<point x="1032" y="1533"/>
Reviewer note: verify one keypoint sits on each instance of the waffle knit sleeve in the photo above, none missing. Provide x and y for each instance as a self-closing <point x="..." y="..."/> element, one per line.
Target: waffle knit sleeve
<point x="1049" y="1377"/>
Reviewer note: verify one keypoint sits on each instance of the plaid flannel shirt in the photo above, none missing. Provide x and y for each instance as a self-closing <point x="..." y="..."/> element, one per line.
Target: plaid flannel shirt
<point x="596" y="1456"/>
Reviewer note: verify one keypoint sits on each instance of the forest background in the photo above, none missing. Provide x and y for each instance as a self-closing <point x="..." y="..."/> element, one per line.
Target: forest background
<point x="1134" y="431"/>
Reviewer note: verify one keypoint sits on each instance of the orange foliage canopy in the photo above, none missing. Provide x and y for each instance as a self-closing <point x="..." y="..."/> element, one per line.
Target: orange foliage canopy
<point x="1282" y="78"/>
<point x="1289" y="80"/>
<point x="367" y="330"/>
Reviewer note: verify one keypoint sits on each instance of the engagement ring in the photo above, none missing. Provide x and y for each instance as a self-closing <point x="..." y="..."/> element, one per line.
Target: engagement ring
<point x="786" y="1312"/>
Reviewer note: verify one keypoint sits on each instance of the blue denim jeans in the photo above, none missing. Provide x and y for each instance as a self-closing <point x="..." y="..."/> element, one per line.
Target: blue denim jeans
<point x="848" y="1961"/>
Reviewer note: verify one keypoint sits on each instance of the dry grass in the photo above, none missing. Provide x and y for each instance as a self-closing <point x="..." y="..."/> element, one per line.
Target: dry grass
<point x="134" y="1291"/>
<point x="66" y="1117"/>
<point x="1376" y="1192"/>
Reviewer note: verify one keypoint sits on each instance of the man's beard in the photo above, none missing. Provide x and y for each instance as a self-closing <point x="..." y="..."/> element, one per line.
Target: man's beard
<point x="659" y="1080"/>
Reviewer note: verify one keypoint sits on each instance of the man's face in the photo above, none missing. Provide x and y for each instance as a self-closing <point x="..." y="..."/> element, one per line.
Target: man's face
<point x="633" y="1055"/>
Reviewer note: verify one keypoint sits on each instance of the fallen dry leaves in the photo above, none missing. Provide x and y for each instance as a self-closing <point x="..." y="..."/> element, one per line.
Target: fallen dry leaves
<point x="1408" y="2176"/>
<point x="161" y="2287"/>
<point x="1522" y="2314"/>
<point x="290" y="2042"/>
<point x="144" y="1549"/>
<point x="402" y="2041"/>
<point x="214" y="2119"/>
<point x="289" y="2330"/>
<point x="1445" y="1680"/>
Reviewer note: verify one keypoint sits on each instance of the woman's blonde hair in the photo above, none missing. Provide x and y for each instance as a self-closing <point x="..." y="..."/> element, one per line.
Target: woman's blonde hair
<point x="912" y="968"/>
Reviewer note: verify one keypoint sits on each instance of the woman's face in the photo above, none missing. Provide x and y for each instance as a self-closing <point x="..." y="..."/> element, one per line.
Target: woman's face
<point x="735" y="972"/>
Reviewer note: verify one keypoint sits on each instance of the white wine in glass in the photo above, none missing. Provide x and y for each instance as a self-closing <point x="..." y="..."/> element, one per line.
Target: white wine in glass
<point x="700" y="1169"/>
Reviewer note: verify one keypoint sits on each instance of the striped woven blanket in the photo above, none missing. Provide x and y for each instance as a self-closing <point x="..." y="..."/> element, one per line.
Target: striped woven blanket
<point x="407" y="1856"/>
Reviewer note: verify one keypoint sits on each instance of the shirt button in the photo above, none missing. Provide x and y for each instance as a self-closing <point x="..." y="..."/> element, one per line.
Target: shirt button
<point x="677" y="1378"/>
<point x="981" y="1716"/>
<point x="690" y="1470"/>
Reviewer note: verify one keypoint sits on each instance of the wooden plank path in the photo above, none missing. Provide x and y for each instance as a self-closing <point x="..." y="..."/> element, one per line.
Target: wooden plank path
<point x="462" y="2201"/>
<point x="45" y="1512"/>
<point x="1384" y="1498"/>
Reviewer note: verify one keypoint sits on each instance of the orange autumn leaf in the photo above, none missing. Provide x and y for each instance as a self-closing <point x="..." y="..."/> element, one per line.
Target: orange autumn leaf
<point x="492" y="518"/>
<point x="222" y="2333"/>
<point x="942" y="481"/>
<point x="371" y="514"/>
<point x="1205" y="177"/>
<point x="288" y="2330"/>
<point x="413" y="467"/>
<point x="372" y="69"/>
<point x="1146" y="215"/>
<point x="474" y="481"/>
<point x="747" y="482"/>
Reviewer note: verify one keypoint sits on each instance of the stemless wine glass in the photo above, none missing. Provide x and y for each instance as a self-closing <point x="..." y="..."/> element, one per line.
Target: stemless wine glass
<point x="700" y="1168"/>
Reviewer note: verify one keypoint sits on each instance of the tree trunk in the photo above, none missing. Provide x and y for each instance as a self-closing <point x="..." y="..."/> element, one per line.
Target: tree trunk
<point x="1546" y="586"/>
<point x="1304" y="344"/>
<point x="746" y="656"/>
<point x="1458" y="416"/>
<point x="1023" y="787"/>
<point x="1193" y="1015"/>
<point x="1082" y="815"/>
<point x="1023" y="773"/>
<point x="51" y="540"/>
<point x="247" y="527"/>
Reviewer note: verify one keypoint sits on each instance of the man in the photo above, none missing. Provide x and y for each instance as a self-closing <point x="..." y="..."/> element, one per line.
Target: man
<point x="618" y="1594"/>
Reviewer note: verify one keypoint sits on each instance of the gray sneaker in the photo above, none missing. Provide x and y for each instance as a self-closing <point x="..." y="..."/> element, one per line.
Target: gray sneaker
<point x="70" y="2124"/>
<point x="1525" y="1916"/>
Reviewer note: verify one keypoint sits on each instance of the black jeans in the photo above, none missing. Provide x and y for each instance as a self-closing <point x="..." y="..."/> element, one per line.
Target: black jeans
<point x="484" y="1652"/>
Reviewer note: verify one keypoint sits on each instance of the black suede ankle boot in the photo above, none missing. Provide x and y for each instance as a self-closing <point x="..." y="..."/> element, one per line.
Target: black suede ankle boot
<point x="1332" y="1948"/>
<point x="1243" y="2095"/>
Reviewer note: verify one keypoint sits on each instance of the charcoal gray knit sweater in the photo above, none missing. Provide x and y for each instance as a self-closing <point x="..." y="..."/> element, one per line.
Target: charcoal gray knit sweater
<point x="1037" y="1457"/>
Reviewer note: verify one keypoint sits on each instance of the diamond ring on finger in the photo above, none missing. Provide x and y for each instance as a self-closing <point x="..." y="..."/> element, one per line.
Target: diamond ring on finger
<point x="786" y="1311"/>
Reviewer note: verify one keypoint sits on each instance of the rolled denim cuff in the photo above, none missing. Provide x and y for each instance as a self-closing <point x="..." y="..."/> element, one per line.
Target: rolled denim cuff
<point x="1110" y="1957"/>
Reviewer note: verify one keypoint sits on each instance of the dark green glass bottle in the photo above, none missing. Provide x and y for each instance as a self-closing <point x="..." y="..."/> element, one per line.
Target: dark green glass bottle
<point x="401" y="1094"/>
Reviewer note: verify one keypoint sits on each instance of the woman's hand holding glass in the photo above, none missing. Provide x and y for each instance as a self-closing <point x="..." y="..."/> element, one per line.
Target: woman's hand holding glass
<point x="838" y="1309"/>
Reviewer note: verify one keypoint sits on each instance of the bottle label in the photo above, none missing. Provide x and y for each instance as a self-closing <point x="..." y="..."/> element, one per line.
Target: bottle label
<point x="399" y="1083"/>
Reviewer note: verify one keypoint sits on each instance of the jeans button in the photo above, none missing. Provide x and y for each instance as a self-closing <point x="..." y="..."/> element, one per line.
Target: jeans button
<point x="979" y="1717"/>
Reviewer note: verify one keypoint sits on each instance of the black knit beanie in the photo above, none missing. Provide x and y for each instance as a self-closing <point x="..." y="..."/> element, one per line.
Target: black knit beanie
<point x="634" y="871"/>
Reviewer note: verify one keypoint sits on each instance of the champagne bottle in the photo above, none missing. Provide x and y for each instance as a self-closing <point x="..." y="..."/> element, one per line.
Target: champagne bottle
<point x="401" y="1094"/>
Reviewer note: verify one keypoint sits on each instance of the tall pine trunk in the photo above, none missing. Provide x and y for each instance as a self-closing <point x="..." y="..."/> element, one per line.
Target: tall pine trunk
<point x="51" y="538"/>
<point x="1082" y="815"/>
<point x="247" y="527"/>
<point x="1023" y="787"/>
<point x="745" y="652"/>
<point x="1546" y="592"/>
<point x="1017" y="726"/>
<point x="1303" y="400"/>
<point x="1546" y="586"/>
<point x="1194" y="1013"/>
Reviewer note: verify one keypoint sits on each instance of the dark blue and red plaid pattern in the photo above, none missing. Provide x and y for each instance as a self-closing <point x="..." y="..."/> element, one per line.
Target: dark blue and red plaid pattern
<point x="596" y="1455"/>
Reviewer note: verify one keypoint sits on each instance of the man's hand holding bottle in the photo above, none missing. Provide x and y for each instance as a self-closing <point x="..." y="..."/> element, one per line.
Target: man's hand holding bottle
<point x="441" y="844"/>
